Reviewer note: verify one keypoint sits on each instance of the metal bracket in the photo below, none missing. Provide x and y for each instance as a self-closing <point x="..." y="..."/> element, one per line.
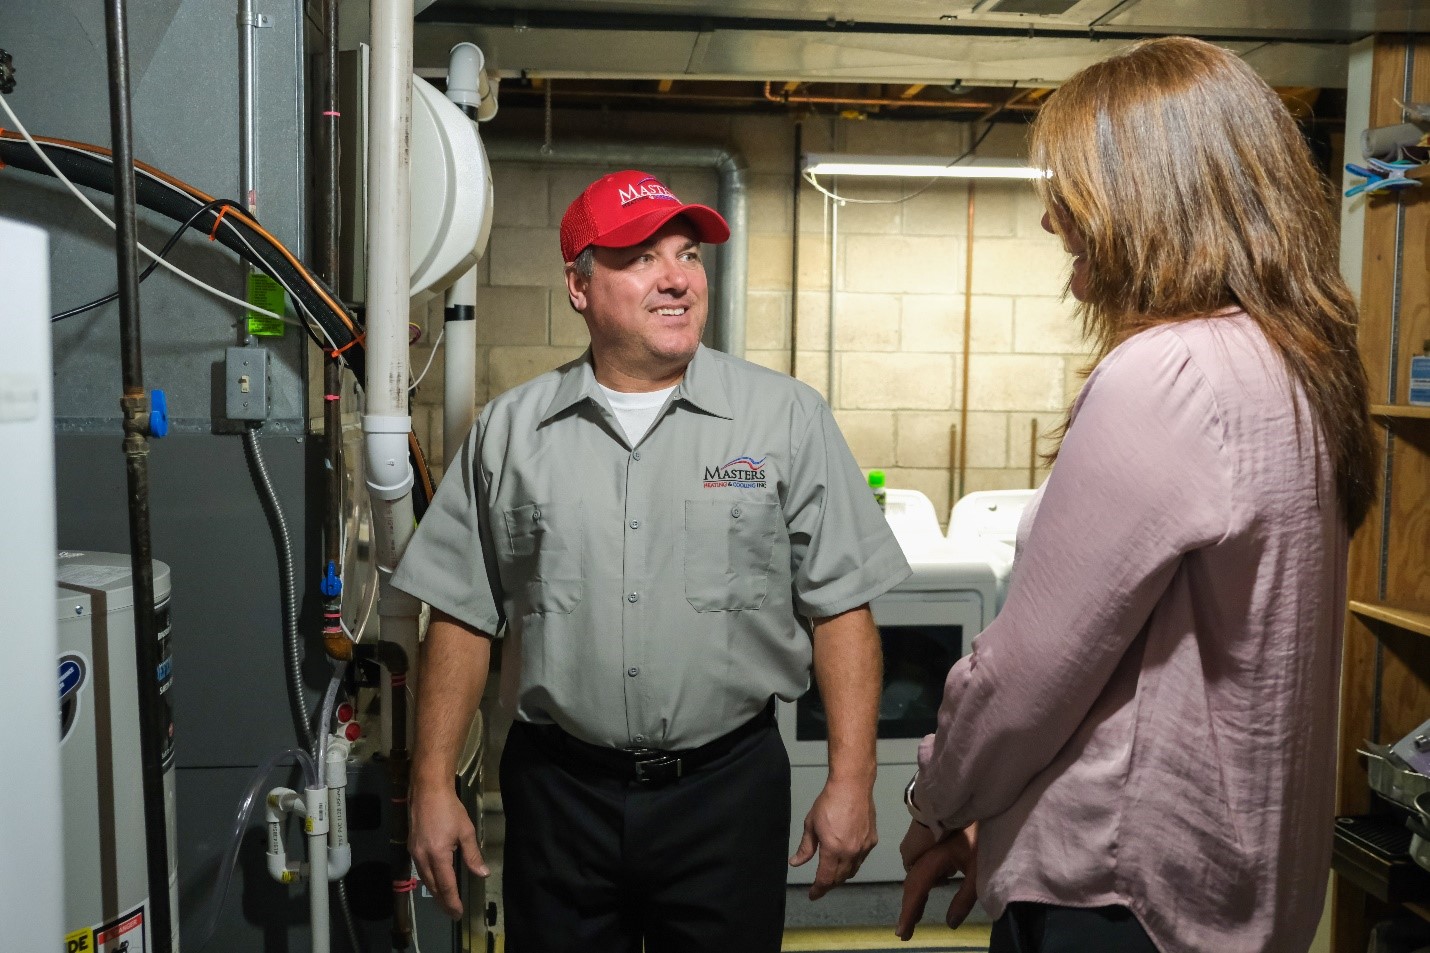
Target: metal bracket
<point x="256" y="20"/>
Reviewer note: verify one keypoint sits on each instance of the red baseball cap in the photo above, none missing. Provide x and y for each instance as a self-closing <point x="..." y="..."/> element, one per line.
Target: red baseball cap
<point x="626" y="208"/>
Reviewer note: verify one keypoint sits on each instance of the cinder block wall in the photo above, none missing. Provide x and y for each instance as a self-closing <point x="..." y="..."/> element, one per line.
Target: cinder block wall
<point x="896" y="308"/>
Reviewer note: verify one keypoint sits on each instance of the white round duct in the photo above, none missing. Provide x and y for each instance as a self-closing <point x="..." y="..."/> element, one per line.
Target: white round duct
<point x="451" y="191"/>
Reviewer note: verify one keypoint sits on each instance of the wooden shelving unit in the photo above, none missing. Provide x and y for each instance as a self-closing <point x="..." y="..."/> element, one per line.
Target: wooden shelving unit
<point x="1385" y="688"/>
<point x="1407" y="619"/>
<point x="1400" y="411"/>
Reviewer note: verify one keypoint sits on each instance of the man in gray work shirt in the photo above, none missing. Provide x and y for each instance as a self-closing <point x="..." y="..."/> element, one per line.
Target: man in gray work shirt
<point x="657" y="529"/>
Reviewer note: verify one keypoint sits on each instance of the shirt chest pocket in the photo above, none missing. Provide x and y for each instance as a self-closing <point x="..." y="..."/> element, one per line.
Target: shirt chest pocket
<point x="542" y="558"/>
<point x="728" y="547"/>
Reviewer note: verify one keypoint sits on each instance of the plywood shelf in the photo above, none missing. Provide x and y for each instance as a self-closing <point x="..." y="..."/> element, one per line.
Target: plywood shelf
<point x="1400" y="411"/>
<point x="1404" y="618"/>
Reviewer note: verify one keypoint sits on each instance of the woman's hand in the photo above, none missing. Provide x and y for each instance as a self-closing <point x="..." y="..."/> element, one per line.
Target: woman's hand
<point x="934" y="864"/>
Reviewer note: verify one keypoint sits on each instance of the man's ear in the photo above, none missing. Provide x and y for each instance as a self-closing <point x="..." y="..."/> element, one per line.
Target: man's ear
<point x="576" y="285"/>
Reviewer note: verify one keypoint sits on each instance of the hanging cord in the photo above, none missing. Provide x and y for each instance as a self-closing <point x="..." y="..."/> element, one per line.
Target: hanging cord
<point x="15" y="120"/>
<point x="546" y="122"/>
<point x="435" y="345"/>
<point x="163" y="253"/>
<point x="810" y="178"/>
<point x="292" y="648"/>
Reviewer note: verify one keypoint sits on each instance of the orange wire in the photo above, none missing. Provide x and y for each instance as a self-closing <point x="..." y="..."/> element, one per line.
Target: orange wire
<point x="358" y="336"/>
<point x="195" y="193"/>
<point x="213" y="232"/>
<point x="340" y="350"/>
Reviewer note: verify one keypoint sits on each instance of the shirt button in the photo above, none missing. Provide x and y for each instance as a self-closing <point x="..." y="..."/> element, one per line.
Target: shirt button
<point x="635" y="454"/>
<point x="735" y="512"/>
<point x="633" y="672"/>
<point x="633" y="597"/>
<point x="635" y="524"/>
<point x="638" y="739"/>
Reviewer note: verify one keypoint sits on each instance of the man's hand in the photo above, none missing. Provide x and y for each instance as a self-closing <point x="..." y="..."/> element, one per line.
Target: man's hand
<point x="439" y="828"/>
<point x="935" y="865"/>
<point x="841" y="829"/>
<point x="454" y="663"/>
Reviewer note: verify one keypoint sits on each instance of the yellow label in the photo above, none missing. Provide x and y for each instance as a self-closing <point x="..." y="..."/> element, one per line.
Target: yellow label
<point x="265" y="293"/>
<point x="80" y="941"/>
<point x="308" y="825"/>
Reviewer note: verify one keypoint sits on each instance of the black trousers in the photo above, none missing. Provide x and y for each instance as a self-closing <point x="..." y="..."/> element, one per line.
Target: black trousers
<point x="595" y="864"/>
<point x="1045" y="928"/>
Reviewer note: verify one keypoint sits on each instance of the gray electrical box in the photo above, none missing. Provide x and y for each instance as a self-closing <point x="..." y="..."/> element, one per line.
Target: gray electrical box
<point x="246" y="384"/>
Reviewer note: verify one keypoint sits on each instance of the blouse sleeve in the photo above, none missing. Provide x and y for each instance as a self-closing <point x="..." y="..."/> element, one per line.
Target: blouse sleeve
<point x="1141" y="479"/>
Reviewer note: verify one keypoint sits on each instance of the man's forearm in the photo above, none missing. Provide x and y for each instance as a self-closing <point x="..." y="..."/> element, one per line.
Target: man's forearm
<point x="455" y="659"/>
<point x="849" y="669"/>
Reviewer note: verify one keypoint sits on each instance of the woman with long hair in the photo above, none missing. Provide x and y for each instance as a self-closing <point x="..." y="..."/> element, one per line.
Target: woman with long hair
<point x="1139" y="752"/>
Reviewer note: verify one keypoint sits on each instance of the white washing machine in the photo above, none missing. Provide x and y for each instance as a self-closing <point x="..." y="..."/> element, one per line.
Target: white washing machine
<point x="987" y="522"/>
<point x="926" y="624"/>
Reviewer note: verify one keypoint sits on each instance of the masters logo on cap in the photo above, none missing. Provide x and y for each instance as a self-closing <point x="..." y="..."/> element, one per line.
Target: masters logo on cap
<point x="626" y="208"/>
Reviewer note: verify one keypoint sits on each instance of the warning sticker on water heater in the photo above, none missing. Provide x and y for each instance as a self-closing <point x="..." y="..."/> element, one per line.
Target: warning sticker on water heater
<point x="121" y="935"/>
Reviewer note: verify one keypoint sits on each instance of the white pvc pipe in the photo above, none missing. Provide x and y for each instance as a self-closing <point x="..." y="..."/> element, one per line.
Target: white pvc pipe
<point x="315" y="801"/>
<point x="459" y="395"/>
<point x="340" y="852"/>
<point x="389" y="215"/>
<point x="279" y="803"/>
<point x="468" y="83"/>
<point x="389" y="282"/>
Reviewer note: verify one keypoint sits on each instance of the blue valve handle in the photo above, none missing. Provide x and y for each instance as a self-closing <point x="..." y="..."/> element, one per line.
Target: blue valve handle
<point x="158" y="414"/>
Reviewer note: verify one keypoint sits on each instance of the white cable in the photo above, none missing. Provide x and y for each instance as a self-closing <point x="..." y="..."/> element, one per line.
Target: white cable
<point x="54" y="170"/>
<point x="435" y="344"/>
<point x="232" y="228"/>
<point x="412" y="911"/>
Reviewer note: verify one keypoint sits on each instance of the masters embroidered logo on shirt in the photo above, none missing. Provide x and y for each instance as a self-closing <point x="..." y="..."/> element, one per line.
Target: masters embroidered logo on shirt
<point x="740" y="472"/>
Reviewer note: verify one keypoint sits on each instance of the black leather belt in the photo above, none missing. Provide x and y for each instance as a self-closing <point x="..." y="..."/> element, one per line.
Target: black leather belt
<point x="648" y="767"/>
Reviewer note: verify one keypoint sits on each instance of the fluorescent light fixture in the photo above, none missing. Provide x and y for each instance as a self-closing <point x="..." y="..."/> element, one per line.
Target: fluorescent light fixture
<point x="918" y="167"/>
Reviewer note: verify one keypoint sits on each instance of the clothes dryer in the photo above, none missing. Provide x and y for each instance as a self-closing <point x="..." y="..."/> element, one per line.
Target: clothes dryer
<point x="926" y="623"/>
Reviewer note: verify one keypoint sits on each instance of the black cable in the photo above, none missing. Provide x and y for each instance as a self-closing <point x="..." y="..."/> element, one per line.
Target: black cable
<point x="342" y="328"/>
<point x="163" y="253"/>
<point x="93" y="170"/>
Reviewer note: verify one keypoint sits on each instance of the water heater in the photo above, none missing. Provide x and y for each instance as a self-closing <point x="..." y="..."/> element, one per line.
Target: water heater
<point x="106" y="875"/>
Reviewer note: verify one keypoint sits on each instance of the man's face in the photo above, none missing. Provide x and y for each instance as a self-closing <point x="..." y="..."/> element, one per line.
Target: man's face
<point x="645" y="305"/>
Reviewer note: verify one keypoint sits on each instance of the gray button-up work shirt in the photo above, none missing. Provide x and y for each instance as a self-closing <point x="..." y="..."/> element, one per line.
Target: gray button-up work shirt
<point x="651" y="595"/>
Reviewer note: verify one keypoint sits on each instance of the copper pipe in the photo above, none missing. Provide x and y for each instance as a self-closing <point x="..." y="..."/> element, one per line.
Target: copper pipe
<point x="1033" y="454"/>
<point x="1011" y="102"/>
<point x="896" y="101"/>
<point x="967" y="343"/>
<point x="952" y="466"/>
<point x="795" y="182"/>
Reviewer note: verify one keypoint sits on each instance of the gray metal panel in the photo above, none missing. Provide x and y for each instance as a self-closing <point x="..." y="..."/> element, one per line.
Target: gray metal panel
<point x="186" y="123"/>
<point x="230" y="705"/>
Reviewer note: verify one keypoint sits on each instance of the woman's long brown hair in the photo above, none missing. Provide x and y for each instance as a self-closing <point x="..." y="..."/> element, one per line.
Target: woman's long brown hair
<point x="1189" y="184"/>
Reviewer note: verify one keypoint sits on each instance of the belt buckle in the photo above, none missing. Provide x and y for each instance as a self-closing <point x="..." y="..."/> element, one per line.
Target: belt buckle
<point x="654" y="768"/>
